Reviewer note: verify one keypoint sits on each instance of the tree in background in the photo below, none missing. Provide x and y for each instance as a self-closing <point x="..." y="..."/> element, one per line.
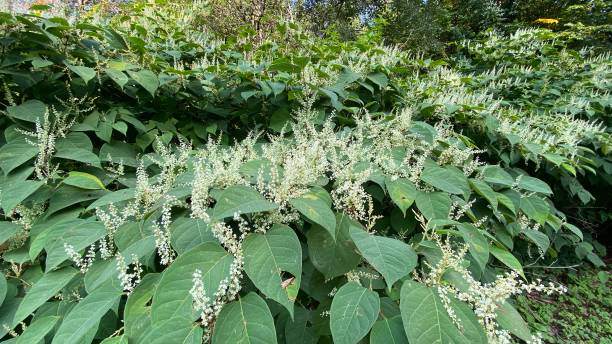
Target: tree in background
<point x="428" y="25"/>
<point x="227" y="17"/>
<point x="346" y="17"/>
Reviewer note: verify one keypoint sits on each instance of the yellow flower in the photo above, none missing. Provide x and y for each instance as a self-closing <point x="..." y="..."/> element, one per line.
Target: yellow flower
<point x="547" y="21"/>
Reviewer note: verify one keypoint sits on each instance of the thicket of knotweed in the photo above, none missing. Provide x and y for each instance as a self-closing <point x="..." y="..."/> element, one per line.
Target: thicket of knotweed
<point x="169" y="187"/>
<point x="534" y="103"/>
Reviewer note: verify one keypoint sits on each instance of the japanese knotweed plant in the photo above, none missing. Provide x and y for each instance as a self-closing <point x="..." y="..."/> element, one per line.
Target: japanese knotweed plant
<point x="276" y="236"/>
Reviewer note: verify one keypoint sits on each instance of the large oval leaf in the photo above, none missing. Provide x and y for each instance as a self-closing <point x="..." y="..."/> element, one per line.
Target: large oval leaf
<point x="187" y="233"/>
<point x="172" y="297"/>
<point x="392" y="258"/>
<point x="333" y="257"/>
<point x="354" y="310"/>
<point x="78" y="234"/>
<point x="478" y="245"/>
<point x="44" y="289"/>
<point x="317" y="210"/>
<point x="137" y="311"/>
<point x="87" y="313"/>
<point x="445" y="179"/>
<point x="176" y="330"/>
<point x="240" y="199"/>
<point x="267" y="259"/>
<point x="434" y="205"/>
<point x="147" y="79"/>
<point x="37" y="330"/>
<point x="388" y="331"/>
<point x="427" y="321"/>
<point x="402" y="192"/>
<point x="507" y="258"/>
<point x="31" y="111"/>
<point x="511" y="320"/>
<point x="247" y="320"/>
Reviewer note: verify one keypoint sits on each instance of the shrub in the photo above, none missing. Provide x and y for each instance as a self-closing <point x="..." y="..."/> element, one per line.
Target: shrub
<point x="171" y="187"/>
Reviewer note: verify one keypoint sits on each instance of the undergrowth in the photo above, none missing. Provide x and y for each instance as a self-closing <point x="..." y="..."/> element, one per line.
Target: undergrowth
<point x="582" y="315"/>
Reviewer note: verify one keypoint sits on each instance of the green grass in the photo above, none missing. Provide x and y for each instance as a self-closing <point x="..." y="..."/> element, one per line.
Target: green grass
<point x="582" y="315"/>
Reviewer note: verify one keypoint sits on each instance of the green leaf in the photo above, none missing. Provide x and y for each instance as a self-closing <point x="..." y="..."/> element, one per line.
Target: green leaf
<point x="379" y="79"/>
<point x="44" y="289"/>
<point x="117" y="76"/>
<point x="434" y="205"/>
<point x="507" y="258"/>
<point x="506" y="202"/>
<point x="3" y="288"/>
<point x="478" y="245"/>
<point x="186" y="233"/>
<point x="99" y="272"/>
<point x="119" y="151"/>
<point x="268" y="256"/>
<point x="509" y="319"/>
<point x="7" y="313"/>
<point x="444" y="179"/>
<point x="424" y="131"/>
<point x="137" y="311"/>
<point x="37" y="330"/>
<point x="300" y="329"/>
<point x="314" y="207"/>
<point x="239" y="199"/>
<point x="394" y="259"/>
<point x="85" y="73"/>
<point x="51" y="230"/>
<point x="16" y="192"/>
<point x="147" y="79"/>
<point x="78" y="234"/>
<point x="472" y="329"/>
<point x="86" y="315"/>
<point x="388" y="331"/>
<point x="402" y="192"/>
<point x="30" y="111"/>
<point x="535" y="208"/>
<point x="66" y="196"/>
<point x="172" y="297"/>
<point x="333" y="257"/>
<point x="534" y="184"/>
<point x="84" y="181"/>
<point x="77" y="147"/>
<point x="497" y="175"/>
<point x="538" y="238"/>
<point x="175" y="330"/>
<point x="247" y="320"/>
<point x="112" y="198"/>
<point x="7" y="230"/>
<point x="15" y="154"/>
<point x="353" y="311"/>
<point x="122" y="339"/>
<point x="484" y="190"/>
<point x="569" y="226"/>
<point x="426" y="320"/>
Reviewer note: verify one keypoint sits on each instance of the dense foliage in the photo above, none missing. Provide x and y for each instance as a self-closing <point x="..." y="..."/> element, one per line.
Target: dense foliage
<point x="555" y="316"/>
<point x="161" y="185"/>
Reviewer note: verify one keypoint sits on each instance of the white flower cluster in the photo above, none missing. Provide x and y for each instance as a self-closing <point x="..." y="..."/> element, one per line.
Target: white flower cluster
<point x="129" y="280"/>
<point x="484" y="298"/>
<point x="83" y="263"/>
<point x="285" y="168"/>
<point x="201" y="302"/>
<point x="24" y="216"/>
<point x="357" y="275"/>
<point x="226" y="292"/>
<point x="55" y="125"/>
<point x="161" y="231"/>
<point x="147" y="193"/>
